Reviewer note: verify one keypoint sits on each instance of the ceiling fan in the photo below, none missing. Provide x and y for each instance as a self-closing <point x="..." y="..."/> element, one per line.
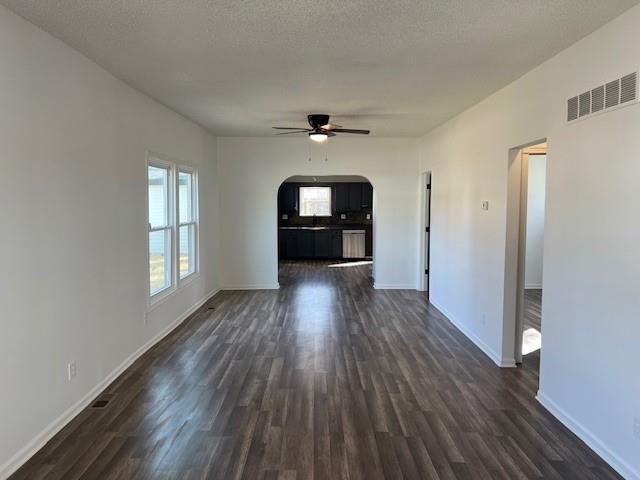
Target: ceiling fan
<point x="320" y="129"/>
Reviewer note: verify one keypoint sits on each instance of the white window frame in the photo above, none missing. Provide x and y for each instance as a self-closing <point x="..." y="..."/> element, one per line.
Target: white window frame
<point x="174" y="167"/>
<point x="195" y="222"/>
<point x="316" y="187"/>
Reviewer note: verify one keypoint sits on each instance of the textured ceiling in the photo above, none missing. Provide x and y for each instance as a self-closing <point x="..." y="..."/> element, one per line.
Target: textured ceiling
<point x="397" y="67"/>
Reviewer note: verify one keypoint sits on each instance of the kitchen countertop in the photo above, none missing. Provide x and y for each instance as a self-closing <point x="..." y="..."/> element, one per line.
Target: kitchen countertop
<point x="324" y="227"/>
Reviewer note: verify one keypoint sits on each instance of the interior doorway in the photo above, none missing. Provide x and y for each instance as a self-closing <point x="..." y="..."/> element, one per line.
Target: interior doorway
<point x="326" y="222"/>
<point x="526" y="210"/>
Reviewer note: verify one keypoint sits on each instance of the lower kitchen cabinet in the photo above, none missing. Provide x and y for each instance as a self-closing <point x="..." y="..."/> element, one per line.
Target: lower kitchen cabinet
<point x="336" y="243"/>
<point x="322" y="243"/>
<point x="368" y="242"/>
<point x="310" y="243"/>
<point x="306" y="243"/>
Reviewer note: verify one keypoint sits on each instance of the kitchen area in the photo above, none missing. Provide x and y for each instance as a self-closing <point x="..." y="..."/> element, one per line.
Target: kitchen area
<point x="325" y="218"/>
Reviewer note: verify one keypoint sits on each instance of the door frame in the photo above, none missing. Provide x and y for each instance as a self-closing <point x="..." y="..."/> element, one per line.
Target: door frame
<point x="424" y="279"/>
<point x="515" y="251"/>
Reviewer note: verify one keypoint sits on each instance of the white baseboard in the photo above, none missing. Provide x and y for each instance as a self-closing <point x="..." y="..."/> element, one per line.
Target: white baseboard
<point x="533" y="286"/>
<point x="619" y="465"/>
<point x="488" y="351"/>
<point x="258" y="286"/>
<point x="393" y="286"/>
<point x="39" y="441"/>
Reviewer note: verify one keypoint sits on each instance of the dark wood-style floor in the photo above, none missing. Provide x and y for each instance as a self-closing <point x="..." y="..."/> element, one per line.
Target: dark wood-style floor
<point x="326" y="378"/>
<point x="532" y="319"/>
<point x="533" y="309"/>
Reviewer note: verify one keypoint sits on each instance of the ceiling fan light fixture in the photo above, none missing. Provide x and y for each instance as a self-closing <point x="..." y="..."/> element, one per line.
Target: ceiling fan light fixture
<point x="318" y="137"/>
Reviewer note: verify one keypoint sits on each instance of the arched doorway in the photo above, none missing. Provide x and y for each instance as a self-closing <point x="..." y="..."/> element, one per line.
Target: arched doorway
<point x="326" y="221"/>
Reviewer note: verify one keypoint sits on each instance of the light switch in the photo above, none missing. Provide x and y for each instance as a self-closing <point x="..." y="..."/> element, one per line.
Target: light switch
<point x="343" y="216"/>
<point x="485" y="205"/>
<point x="368" y="216"/>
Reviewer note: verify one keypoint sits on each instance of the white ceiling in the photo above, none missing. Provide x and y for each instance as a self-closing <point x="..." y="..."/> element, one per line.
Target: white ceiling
<point x="398" y="68"/>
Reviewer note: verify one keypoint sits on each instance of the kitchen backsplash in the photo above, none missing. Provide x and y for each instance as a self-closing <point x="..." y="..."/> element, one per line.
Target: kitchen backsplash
<point x="352" y="218"/>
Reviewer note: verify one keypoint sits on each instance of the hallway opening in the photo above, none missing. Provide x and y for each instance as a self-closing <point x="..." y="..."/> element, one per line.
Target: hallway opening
<point x="527" y="191"/>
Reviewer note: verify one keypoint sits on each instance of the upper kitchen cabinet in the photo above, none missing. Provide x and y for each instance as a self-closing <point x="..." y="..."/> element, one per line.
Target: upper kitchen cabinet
<point x="355" y="197"/>
<point x="341" y="197"/>
<point x="367" y="196"/>
<point x="288" y="197"/>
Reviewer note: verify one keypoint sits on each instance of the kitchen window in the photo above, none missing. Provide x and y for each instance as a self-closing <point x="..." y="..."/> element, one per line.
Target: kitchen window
<point x="315" y="201"/>
<point x="172" y="209"/>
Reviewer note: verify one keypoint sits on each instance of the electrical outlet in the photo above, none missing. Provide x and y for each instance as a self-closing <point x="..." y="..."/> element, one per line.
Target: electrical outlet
<point x="343" y="216"/>
<point x="636" y="427"/>
<point x="72" y="370"/>
<point x="485" y="205"/>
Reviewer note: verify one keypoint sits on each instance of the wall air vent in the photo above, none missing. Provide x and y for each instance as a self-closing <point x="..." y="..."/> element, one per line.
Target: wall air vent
<point x="572" y="109"/>
<point x="597" y="99"/>
<point x="612" y="94"/>
<point x="618" y="93"/>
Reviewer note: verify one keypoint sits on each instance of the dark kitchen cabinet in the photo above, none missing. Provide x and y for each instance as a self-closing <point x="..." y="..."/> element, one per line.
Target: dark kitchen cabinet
<point x="306" y="244"/>
<point x="341" y="197"/>
<point x="355" y="197"/>
<point x="296" y="243"/>
<point x="368" y="242"/>
<point x="367" y="196"/>
<point x="336" y="243"/>
<point x="289" y="243"/>
<point x="288" y="198"/>
<point x="322" y="243"/>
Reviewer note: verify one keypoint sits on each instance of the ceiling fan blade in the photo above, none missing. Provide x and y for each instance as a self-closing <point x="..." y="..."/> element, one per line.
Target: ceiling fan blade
<point x="330" y="126"/>
<point x="293" y="128"/>
<point x="349" y="130"/>
<point x="296" y="131"/>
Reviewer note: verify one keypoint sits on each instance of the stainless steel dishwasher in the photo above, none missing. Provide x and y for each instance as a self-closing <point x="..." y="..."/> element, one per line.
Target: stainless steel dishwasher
<point x="353" y="243"/>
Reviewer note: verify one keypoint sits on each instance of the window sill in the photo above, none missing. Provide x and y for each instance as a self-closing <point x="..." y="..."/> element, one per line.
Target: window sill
<point x="160" y="297"/>
<point x="183" y="282"/>
<point x="164" y="295"/>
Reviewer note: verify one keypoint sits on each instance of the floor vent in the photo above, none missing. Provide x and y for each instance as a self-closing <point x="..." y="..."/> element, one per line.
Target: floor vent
<point x="102" y="402"/>
<point x="615" y="94"/>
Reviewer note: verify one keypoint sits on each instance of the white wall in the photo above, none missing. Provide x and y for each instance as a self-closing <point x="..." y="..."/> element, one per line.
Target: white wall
<point x="589" y="376"/>
<point x="535" y="220"/>
<point x="72" y="190"/>
<point x="253" y="169"/>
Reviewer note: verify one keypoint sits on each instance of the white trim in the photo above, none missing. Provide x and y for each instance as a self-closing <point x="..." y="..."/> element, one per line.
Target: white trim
<point x="157" y="160"/>
<point x="487" y="350"/>
<point x="394" y="286"/>
<point x="168" y="293"/>
<point x="425" y="179"/>
<point x="597" y="445"/>
<point x="195" y="218"/>
<point x="36" y="443"/>
<point x="258" y="286"/>
<point x="533" y="286"/>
